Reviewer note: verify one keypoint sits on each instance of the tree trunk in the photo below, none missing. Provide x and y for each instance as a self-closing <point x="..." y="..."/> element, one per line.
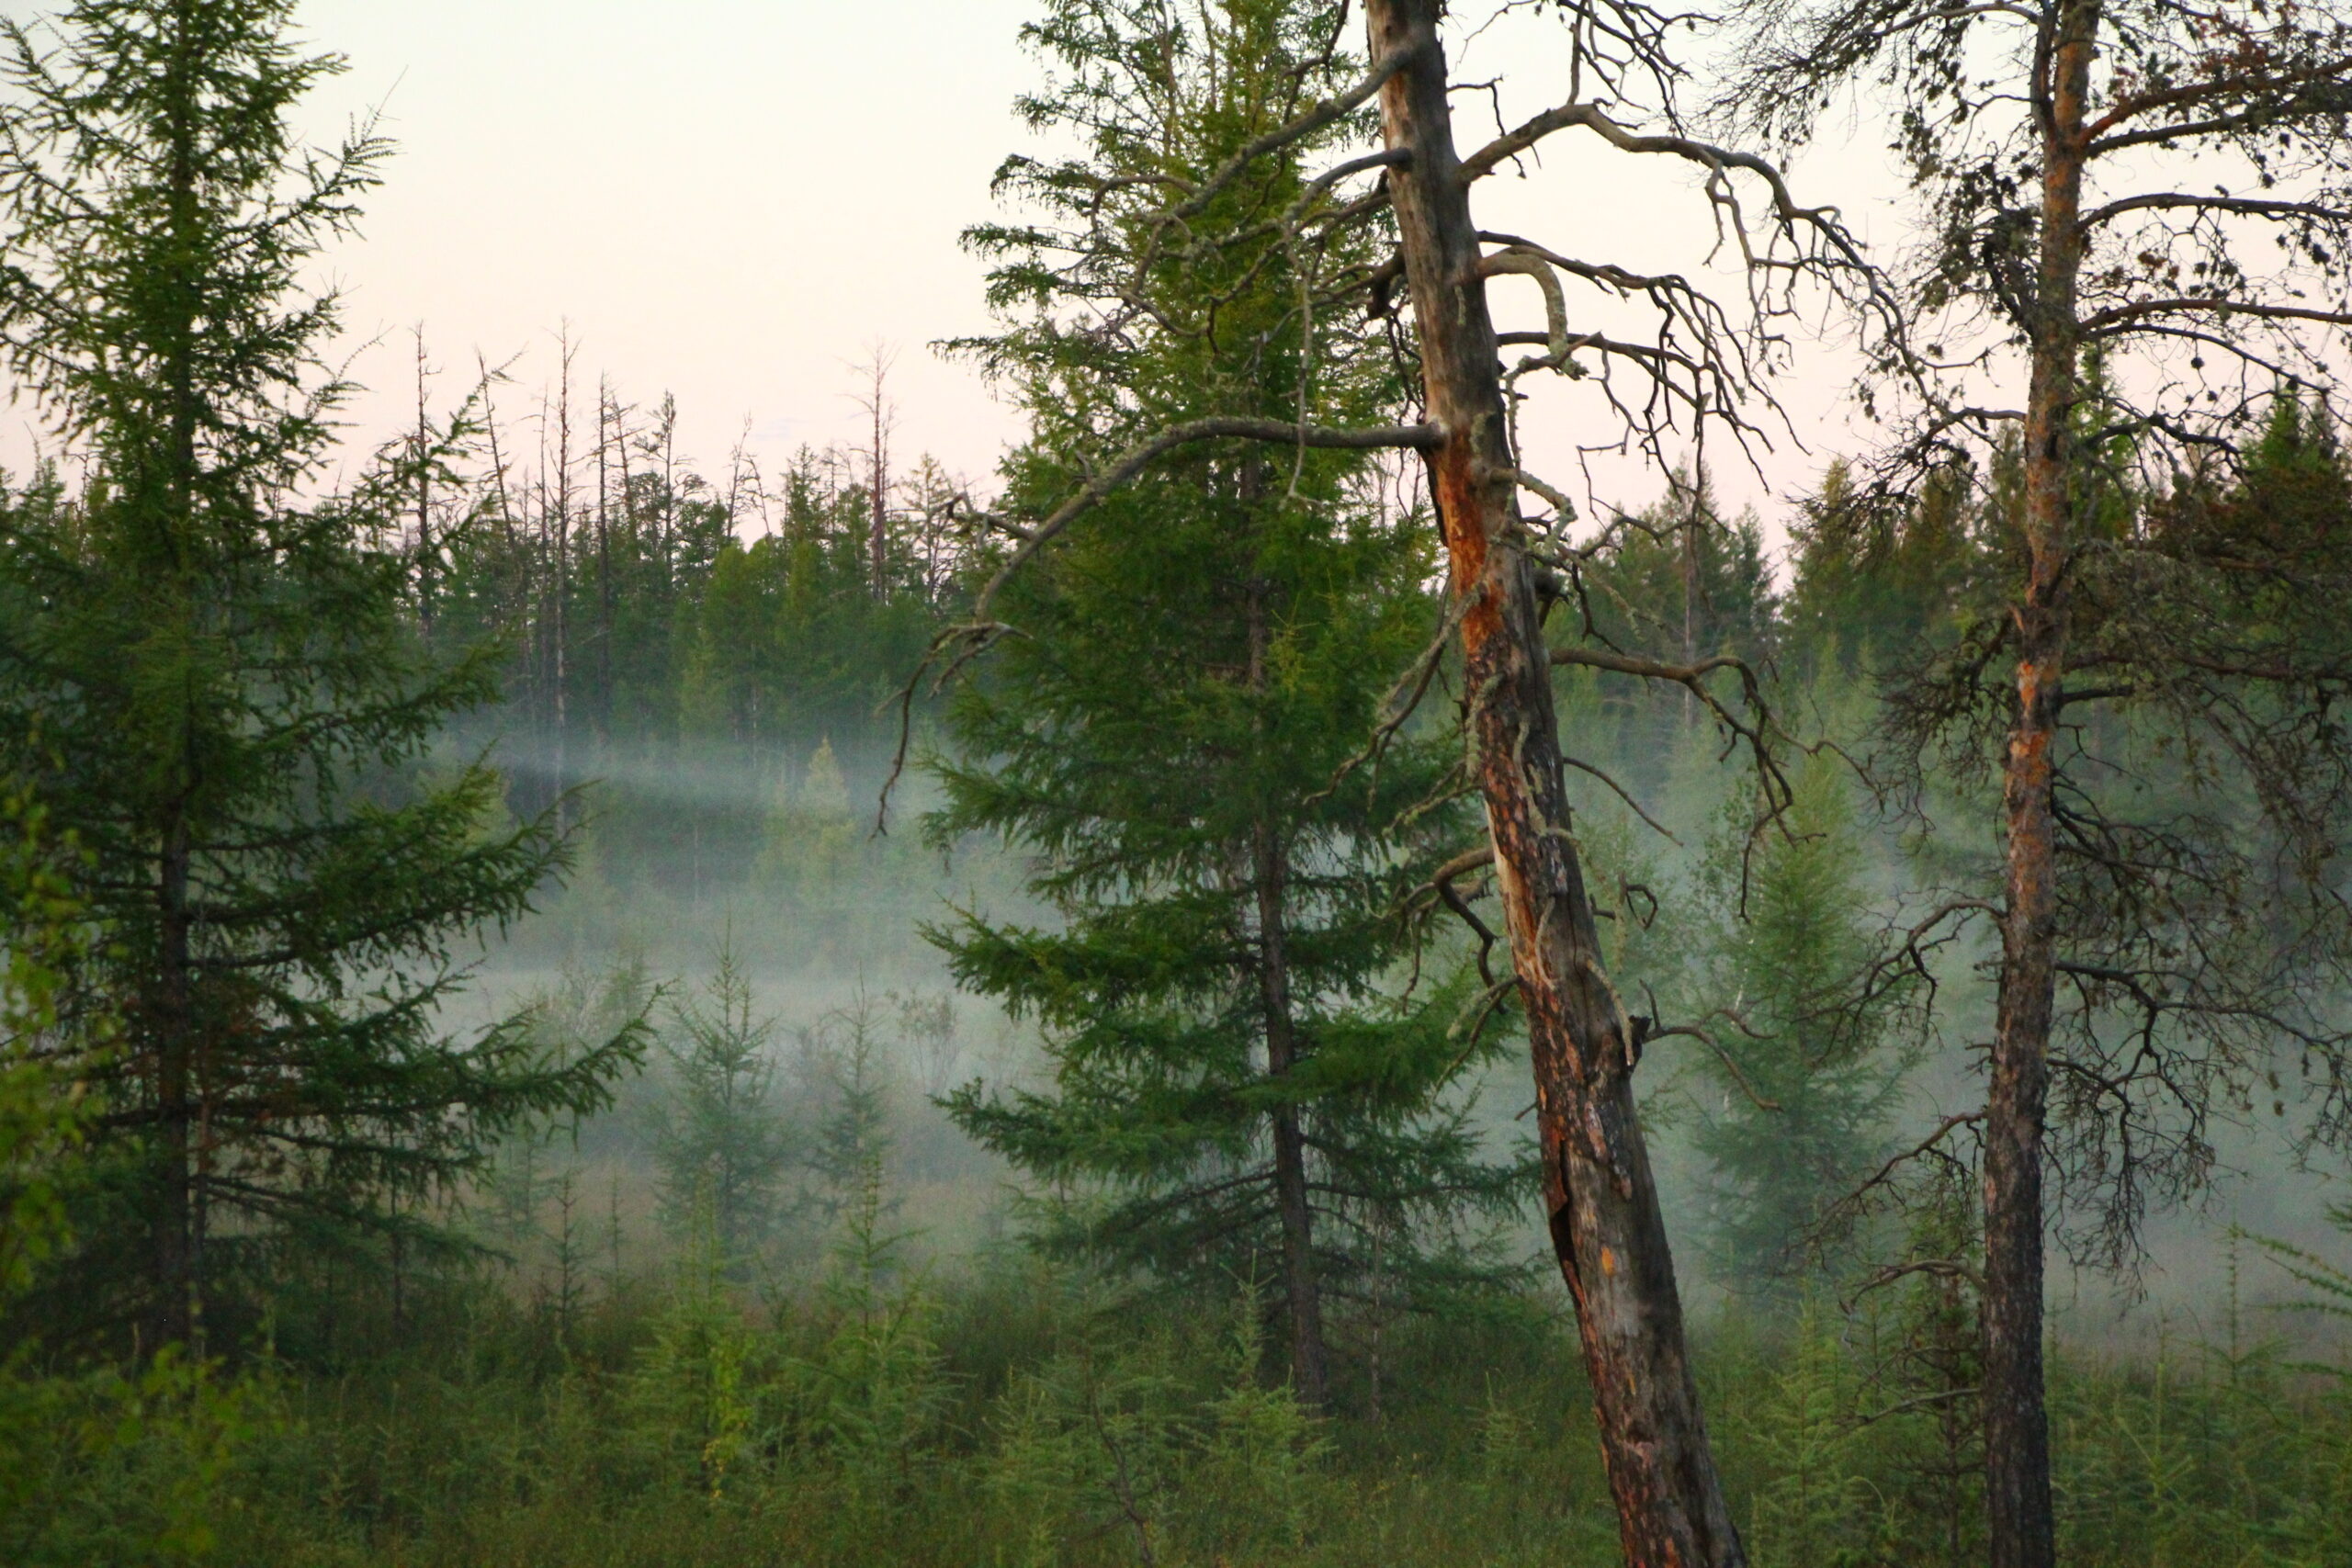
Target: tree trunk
<point x="1606" y="1225"/>
<point x="562" y="632"/>
<point x="427" y="580"/>
<point x="170" y="1019"/>
<point x="1310" y="1360"/>
<point x="169" y="1320"/>
<point x="877" y="541"/>
<point x="609" y="429"/>
<point x="2017" y="1421"/>
<point x="1302" y="1292"/>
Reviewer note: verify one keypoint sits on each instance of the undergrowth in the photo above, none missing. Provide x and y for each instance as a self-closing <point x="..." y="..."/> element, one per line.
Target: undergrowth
<point x="1020" y="1416"/>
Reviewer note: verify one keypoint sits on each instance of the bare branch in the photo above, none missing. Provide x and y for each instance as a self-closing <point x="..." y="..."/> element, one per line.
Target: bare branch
<point x="2116" y="316"/>
<point x="1315" y="118"/>
<point x="1730" y="1066"/>
<point x="1421" y="437"/>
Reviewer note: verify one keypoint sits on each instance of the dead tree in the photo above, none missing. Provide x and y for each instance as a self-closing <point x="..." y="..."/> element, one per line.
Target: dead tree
<point x="874" y="402"/>
<point x="1703" y="365"/>
<point x="2103" y="177"/>
<point x="428" y="562"/>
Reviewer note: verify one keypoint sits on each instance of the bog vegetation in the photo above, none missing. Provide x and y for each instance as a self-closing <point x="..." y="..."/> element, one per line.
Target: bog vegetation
<point x="563" y="1004"/>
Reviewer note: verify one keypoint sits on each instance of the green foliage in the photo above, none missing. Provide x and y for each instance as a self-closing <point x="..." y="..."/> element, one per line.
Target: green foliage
<point x="217" y="692"/>
<point x="676" y="645"/>
<point x="1800" y="1095"/>
<point x="693" y="1387"/>
<point x="1022" y="1417"/>
<point x="1234" y="1073"/>
<point x="1813" y="1503"/>
<point x="870" y="1392"/>
<point x="103" y="1466"/>
<point x="1086" y="1447"/>
<point x="720" y="1138"/>
<point x="43" y="1110"/>
<point x="1924" y="1360"/>
<point x="1682" y="581"/>
<point x="2331" y="1283"/>
<point x="252" y="816"/>
<point x="872" y="1385"/>
<point x="1875" y="585"/>
<point x="150" y="1466"/>
<point x="1678" y="583"/>
<point x="852" y="1147"/>
<point x="1258" y="1468"/>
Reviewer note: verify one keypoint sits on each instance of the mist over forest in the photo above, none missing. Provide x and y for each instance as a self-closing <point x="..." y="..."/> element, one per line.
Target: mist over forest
<point x="1286" y="978"/>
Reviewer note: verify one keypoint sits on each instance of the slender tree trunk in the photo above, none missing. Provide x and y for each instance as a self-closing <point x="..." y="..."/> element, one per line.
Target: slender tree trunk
<point x="878" y="526"/>
<point x="170" y="1320"/>
<point x="1270" y="877"/>
<point x="180" y="551"/>
<point x="1690" y="572"/>
<point x="609" y="418"/>
<point x="2017" y="1422"/>
<point x="1606" y="1225"/>
<point x="427" y="579"/>
<point x="562" y="618"/>
<point x="1310" y="1362"/>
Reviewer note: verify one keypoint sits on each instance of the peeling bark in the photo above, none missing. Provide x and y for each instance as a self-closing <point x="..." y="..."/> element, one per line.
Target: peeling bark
<point x="2017" y="1422"/>
<point x="1606" y="1224"/>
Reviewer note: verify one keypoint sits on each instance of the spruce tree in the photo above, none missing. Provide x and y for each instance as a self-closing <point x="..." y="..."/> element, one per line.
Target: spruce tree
<point x="1237" y="1086"/>
<point x="1803" y="1094"/>
<point x="210" y="678"/>
<point x="720" y="1138"/>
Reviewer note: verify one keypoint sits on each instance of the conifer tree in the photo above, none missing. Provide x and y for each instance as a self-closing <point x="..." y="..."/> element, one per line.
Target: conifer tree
<point x="211" y="681"/>
<point x="1873" y="588"/>
<point x="1802" y="1094"/>
<point x="720" y="1136"/>
<point x="1233" y="1076"/>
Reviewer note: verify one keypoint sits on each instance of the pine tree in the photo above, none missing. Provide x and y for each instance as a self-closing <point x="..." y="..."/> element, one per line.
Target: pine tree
<point x="212" y="683"/>
<point x="1236" y="1086"/>
<point x="851" y="1151"/>
<point x="1678" y="582"/>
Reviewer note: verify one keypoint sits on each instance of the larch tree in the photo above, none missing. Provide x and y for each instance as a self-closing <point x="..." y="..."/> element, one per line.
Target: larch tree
<point x="1233" y="1079"/>
<point x="2137" y="229"/>
<point x="1802" y="1086"/>
<point x="1409" y="192"/>
<point x="213" y="683"/>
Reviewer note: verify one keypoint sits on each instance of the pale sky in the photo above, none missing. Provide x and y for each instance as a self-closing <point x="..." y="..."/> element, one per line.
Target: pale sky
<point x="731" y="201"/>
<point x="735" y="201"/>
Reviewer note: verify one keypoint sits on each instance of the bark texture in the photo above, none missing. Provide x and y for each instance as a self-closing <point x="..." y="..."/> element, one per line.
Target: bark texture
<point x="1605" y="1221"/>
<point x="2017" y="1422"/>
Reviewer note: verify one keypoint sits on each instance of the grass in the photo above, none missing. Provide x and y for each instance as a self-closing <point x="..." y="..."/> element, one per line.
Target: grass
<point x="1016" y="1417"/>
